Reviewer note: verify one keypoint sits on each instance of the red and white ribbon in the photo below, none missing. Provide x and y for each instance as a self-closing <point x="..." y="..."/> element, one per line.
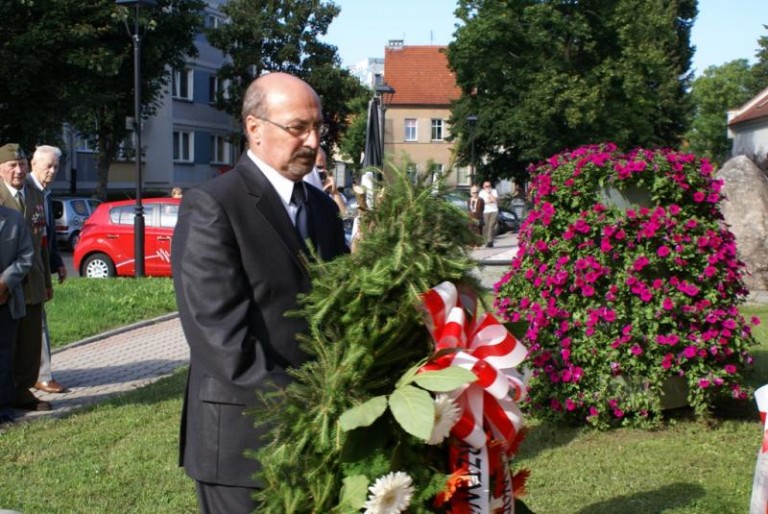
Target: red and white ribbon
<point x="489" y="404"/>
<point x="759" y="501"/>
<point x="487" y="349"/>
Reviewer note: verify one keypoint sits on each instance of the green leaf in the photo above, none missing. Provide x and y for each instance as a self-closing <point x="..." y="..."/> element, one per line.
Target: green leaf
<point x="353" y="493"/>
<point x="408" y="376"/>
<point x="363" y="415"/>
<point x="414" y="410"/>
<point x="444" y="380"/>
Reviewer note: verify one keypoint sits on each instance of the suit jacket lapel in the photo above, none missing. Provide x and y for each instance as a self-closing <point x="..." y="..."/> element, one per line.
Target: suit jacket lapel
<point x="268" y="202"/>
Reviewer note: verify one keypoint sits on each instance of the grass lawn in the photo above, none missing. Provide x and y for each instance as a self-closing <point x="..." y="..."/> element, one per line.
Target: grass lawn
<point x="120" y="456"/>
<point x="83" y="307"/>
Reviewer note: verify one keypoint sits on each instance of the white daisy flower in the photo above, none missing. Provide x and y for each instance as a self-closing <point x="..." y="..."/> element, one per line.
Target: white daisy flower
<point x="447" y="413"/>
<point x="390" y="494"/>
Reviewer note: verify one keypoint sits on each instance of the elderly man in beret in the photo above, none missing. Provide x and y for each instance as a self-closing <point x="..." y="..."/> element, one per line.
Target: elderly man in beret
<point x="16" y="254"/>
<point x="16" y="194"/>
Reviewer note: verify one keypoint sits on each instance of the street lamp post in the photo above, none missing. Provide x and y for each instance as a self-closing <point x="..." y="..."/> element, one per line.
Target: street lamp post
<point x="384" y="92"/>
<point x="472" y="120"/>
<point x="138" y="219"/>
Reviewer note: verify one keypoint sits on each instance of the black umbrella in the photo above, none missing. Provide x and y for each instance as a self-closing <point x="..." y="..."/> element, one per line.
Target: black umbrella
<point x="372" y="155"/>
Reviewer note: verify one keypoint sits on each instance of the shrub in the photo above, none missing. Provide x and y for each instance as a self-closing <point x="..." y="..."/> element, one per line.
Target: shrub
<point x="626" y="276"/>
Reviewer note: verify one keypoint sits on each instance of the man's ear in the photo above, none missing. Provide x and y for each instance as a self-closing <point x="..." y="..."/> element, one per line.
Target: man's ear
<point x="253" y="128"/>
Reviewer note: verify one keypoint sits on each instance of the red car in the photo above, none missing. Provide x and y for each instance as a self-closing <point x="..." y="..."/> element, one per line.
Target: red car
<point x="106" y="245"/>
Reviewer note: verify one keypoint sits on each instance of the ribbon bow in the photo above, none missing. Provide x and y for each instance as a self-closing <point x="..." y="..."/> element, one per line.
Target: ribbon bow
<point x="485" y="347"/>
<point x="759" y="500"/>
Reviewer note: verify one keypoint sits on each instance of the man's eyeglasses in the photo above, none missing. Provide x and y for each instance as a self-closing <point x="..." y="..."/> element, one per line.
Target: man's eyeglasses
<point x="302" y="130"/>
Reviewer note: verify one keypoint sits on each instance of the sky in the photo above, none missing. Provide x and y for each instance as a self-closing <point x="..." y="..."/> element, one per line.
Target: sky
<point x="724" y="30"/>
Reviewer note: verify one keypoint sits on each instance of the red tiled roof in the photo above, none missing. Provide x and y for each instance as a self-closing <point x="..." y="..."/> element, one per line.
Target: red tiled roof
<point x="419" y="75"/>
<point x="756" y="108"/>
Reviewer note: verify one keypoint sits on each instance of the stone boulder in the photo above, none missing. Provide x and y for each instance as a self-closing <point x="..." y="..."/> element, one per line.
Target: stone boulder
<point x="745" y="210"/>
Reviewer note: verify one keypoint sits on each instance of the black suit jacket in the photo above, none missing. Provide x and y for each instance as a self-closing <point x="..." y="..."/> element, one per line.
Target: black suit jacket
<point x="237" y="270"/>
<point x="50" y="222"/>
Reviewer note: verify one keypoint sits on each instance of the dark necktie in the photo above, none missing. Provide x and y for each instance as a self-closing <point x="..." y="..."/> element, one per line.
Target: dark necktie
<point x="20" y="201"/>
<point x="299" y="199"/>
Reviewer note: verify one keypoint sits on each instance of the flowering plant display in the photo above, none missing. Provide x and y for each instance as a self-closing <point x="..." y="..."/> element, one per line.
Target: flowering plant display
<point x="406" y="380"/>
<point x="627" y="276"/>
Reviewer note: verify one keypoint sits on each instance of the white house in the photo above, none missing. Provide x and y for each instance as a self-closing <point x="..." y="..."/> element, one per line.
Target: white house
<point x="748" y="128"/>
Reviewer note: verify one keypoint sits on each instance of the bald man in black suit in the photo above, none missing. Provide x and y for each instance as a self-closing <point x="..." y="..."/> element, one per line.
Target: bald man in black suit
<point x="239" y="261"/>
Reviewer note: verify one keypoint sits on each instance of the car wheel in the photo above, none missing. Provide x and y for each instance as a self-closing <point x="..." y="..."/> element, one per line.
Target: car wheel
<point x="73" y="239"/>
<point x="98" y="265"/>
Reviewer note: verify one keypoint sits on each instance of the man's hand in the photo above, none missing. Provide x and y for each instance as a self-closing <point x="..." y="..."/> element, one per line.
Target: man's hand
<point x="5" y="293"/>
<point x="48" y="294"/>
<point x="330" y="185"/>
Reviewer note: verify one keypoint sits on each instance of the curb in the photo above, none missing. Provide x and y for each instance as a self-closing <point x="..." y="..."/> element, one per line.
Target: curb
<point x="117" y="331"/>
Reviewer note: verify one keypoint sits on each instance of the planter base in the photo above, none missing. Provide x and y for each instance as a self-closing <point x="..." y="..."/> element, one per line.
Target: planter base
<point x="675" y="393"/>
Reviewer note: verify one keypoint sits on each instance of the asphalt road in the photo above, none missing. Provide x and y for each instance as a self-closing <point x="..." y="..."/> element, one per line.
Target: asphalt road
<point x="66" y="256"/>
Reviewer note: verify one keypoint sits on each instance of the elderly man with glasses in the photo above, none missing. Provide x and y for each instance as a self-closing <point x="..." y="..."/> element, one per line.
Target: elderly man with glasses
<point x="239" y="257"/>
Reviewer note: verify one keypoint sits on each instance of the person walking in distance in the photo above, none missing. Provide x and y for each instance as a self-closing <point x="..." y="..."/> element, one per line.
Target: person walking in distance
<point x="239" y="260"/>
<point x="476" y="207"/>
<point x="490" y="212"/>
<point x="45" y="164"/>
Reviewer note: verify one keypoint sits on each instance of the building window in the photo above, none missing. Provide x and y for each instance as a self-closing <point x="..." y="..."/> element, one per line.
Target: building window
<point x="411" y="129"/>
<point x="126" y="150"/>
<point x="463" y="176"/>
<point x="217" y="85"/>
<point x="221" y="150"/>
<point x="213" y="22"/>
<point x="437" y="129"/>
<point x="182" y="85"/>
<point x="183" y="148"/>
<point x="84" y="144"/>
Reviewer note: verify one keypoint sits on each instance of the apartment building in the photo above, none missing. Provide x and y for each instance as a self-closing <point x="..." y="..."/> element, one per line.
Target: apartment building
<point x="187" y="141"/>
<point x="416" y="119"/>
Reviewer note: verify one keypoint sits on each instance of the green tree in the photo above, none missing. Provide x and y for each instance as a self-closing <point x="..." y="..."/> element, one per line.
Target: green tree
<point x="106" y="89"/>
<point x="543" y="75"/>
<point x="719" y="89"/>
<point x="67" y="60"/>
<point x="267" y="36"/>
<point x="35" y="68"/>
<point x="352" y="143"/>
<point x="760" y="69"/>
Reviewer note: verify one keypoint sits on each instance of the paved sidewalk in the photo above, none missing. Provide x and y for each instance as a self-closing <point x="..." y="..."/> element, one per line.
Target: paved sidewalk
<point x="115" y="362"/>
<point x="494" y="262"/>
<point x="132" y="357"/>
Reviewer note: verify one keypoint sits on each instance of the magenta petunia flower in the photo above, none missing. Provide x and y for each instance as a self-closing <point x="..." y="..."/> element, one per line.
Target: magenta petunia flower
<point x="640" y="263"/>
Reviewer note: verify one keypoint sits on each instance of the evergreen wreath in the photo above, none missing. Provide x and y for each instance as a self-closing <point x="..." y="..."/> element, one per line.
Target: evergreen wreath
<point x="365" y="332"/>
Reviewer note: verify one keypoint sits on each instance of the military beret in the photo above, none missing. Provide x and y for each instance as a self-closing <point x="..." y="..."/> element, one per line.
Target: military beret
<point x="11" y="152"/>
